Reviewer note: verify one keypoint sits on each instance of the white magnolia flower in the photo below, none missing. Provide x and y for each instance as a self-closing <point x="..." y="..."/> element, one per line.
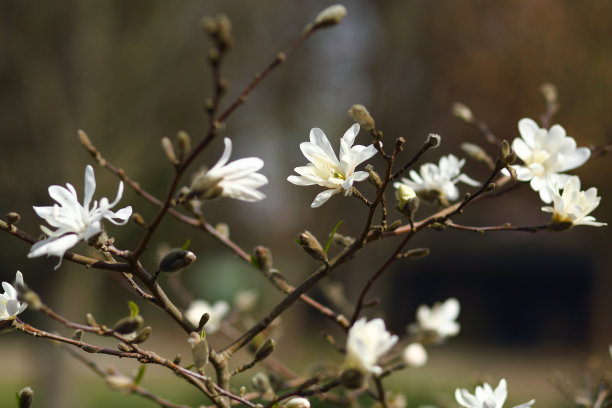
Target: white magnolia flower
<point x="366" y="343"/>
<point x="217" y="313"/>
<point x="546" y="153"/>
<point x="438" y="182"/>
<point x="415" y="355"/>
<point x="238" y="179"/>
<point x="326" y="170"/>
<point x="486" y="397"/>
<point x="75" y="222"/>
<point x="10" y="306"/>
<point x="572" y="205"/>
<point x="440" y="319"/>
<point x="297" y="402"/>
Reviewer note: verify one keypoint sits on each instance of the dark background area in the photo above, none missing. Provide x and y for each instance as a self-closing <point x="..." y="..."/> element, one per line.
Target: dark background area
<point x="130" y="73"/>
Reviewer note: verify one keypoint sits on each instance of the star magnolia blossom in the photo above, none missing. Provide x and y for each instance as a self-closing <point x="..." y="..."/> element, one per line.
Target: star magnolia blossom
<point x="440" y="319"/>
<point x="75" y="222"/>
<point x="217" y="313"/>
<point x="573" y="205"/>
<point x="10" y="306"/>
<point x="326" y="170"/>
<point x="440" y="179"/>
<point x="546" y="153"/>
<point x="238" y="179"/>
<point x="366" y="343"/>
<point x="486" y="397"/>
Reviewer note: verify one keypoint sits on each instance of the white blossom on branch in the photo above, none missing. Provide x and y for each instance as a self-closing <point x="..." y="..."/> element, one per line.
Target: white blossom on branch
<point x="326" y="170"/>
<point x="75" y="222"/>
<point x="572" y="205"/>
<point x="216" y="313"/>
<point x="10" y="306"/>
<point x="366" y="343"/>
<point x="546" y="153"/>
<point x="238" y="179"/>
<point x="440" y="319"/>
<point x="486" y="397"/>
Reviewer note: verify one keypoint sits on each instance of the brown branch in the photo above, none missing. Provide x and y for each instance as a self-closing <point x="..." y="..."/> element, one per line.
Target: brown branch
<point x="504" y="227"/>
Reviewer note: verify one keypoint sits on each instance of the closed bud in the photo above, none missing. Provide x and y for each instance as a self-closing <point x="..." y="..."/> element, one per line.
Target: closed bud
<point x="360" y="114"/>
<point x="477" y="153"/>
<point x="77" y="335"/>
<point x="242" y="391"/>
<point x="433" y="140"/>
<point x="176" y="259"/>
<point x="352" y="379"/>
<point x="374" y="177"/>
<point x="89" y="349"/>
<point x="462" y="112"/>
<point x="124" y="347"/>
<point x="184" y="142"/>
<point x="265" y="350"/>
<point x="512" y="172"/>
<point x="203" y="320"/>
<point x="169" y="150"/>
<point x="263" y="257"/>
<point x="416" y="253"/>
<point x="343" y="240"/>
<point x="128" y="325"/>
<point x="90" y="320"/>
<point x="312" y="246"/>
<point x="142" y="336"/>
<point x="223" y="230"/>
<point x="85" y="141"/>
<point x="138" y="220"/>
<point x="199" y="348"/>
<point x="407" y="200"/>
<point x="505" y="153"/>
<point x="13" y="217"/>
<point x="30" y="297"/>
<point x="225" y="31"/>
<point x="549" y="92"/>
<point x="415" y="355"/>
<point x="25" y="397"/>
<point x="490" y="187"/>
<point x="297" y="402"/>
<point x="329" y="17"/>
<point x="261" y="383"/>
<point x="177" y="359"/>
<point x="395" y="225"/>
<point x="119" y="382"/>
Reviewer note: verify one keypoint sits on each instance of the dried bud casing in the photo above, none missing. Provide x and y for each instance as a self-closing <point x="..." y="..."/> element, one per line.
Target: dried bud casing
<point x="559" y="226"/>
<point x="128" y="325"/>
<point x="176" y="259"/>
<point x="312" y="246"/>
<point x="330" y="16"/>
<point x="199" y="348"/>
<point x="263" y="257"/>
<point x="360" y="114"/>
<point x="462" y="112"/>
<point x="265" y="350"/>
<point x="433" y="140"/>
<point x="25" y="397"/>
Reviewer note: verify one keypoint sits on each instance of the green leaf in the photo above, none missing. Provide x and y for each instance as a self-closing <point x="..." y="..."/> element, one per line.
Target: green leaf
<point x="203" y="334"/>
<point x="133" y="309"/>
<point x="140" y="374"/>
<point x="331" y="236"/>
<point x="254" y="262"/>
<point x="186" y="245"/>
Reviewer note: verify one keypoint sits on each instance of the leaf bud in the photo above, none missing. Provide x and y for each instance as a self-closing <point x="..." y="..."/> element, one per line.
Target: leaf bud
<point x="433" y="140"/>
<point x="462" y="112"/>
<point x="360" y="114"/>
<point x="184" y="142"/>
<point x="176" y="259"/>
<point x="352" y="378"/>
<point x="25" y="397"/>
<point x="297" y="402"/>
<point x="89" y="349"/>
<point x="143" y="335"/>
<point x="128" y="325"/>
<point x="169" y="150"/>
<point x="263" y="257"/>
<point x="505" y="153"/>
<point x="199" y="348"/>
<point x="312" y="246"/>
<point x="13" y="217"/>
<point x="490" y="187"/>
<point x="265" y="350"/>
<point x="329" y="17"/>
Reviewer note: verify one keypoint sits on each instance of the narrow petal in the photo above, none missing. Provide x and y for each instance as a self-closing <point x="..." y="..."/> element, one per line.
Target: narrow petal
<point x="299" y="181"/>
<point x="528" y="129"/>
<point x="55" y="246"/>
<point x="351" y="134"/>
<point x="322" y="197"/>
<point x="227" y="152"/>
<point x="123" y="215"/>
<point x="317" y="136"/>
<point x="90" y="186"/>
<point x="118" y="197"/>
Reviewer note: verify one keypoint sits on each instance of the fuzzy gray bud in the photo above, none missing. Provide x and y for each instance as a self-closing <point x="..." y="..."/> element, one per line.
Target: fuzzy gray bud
<point x="184" y="142"/>
<point x="265" y="350"/>
<point x="312" y="246"/>
<point x="330" y="16"/>
<point x="261" y="383"/>
<point x="169" y="150"/>
<point x="128" y="325"/>
<point x="176" y="259"/>
<point x="263" y="257"/>
<point x="143" y="335"/>
<point x="360" y="114"/>
<point x="25" y="397"/>
<point x="199" y="347"/>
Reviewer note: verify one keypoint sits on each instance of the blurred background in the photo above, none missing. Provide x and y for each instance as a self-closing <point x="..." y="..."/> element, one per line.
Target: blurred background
<point x="535" y="308"/>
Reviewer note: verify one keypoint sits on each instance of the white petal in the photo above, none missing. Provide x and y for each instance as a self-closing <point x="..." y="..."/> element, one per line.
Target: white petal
<point x="90" y="186"/>
<point x="577" y="159"/>
<point x="322" y="197"/>
<point x="317" y="136"/>
<point x="299" y="181"/>
<point x="123" y="215"/>
<point x="528" y="129"/>
<point x="522" y="150"/>
<point x="55" y="246"/>
<point x="350" y="134"/>
<point x="227" y="152"/>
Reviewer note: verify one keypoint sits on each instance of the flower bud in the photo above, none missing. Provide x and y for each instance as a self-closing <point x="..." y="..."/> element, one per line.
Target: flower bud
<point x="477" y="153"/>
<point x="261" y="383"/>
<point x="91" y="321"/>
<point x="407" y="200"/>
<point x="203" y="320"/>
<point x="119" y="382"/>
<point x="416" y="253"/>
<point x="263" y="257"/>
<point x="297" y="402"/>
<point x="394" y="225"/>
<point x="462" y="112"/>
<point x="352" y="378"/>
<point x="343" y="240"/>
<point x="85" y="141"/>
<point x="505" y="153"/>
<point x="330" y="16"/>
<point x="128" y="325"/>
<point x="143" y="335"/>
<point x="223" y="230"/>
<point x="415" y="355"/>
<point x="199" y="348"/>
<point x="124" y="347"/>
<point x="433" y="140"/>
<point x="549" y="92"/>
<point x="77" y="335"/>
<point x="13" y="217"/>
<point x="184" y="143"/>
<point x="89" y="349"/>
<point x="265" y="350"/>
<point x="25" y="397"/>
<point x="137" y="219"/>
<point x="312" y="246"/>
<point x="245" y="300"/>
<point x="169" y="150"/>
<point x="360" y="114"/>
<point x="176" y="259"/>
